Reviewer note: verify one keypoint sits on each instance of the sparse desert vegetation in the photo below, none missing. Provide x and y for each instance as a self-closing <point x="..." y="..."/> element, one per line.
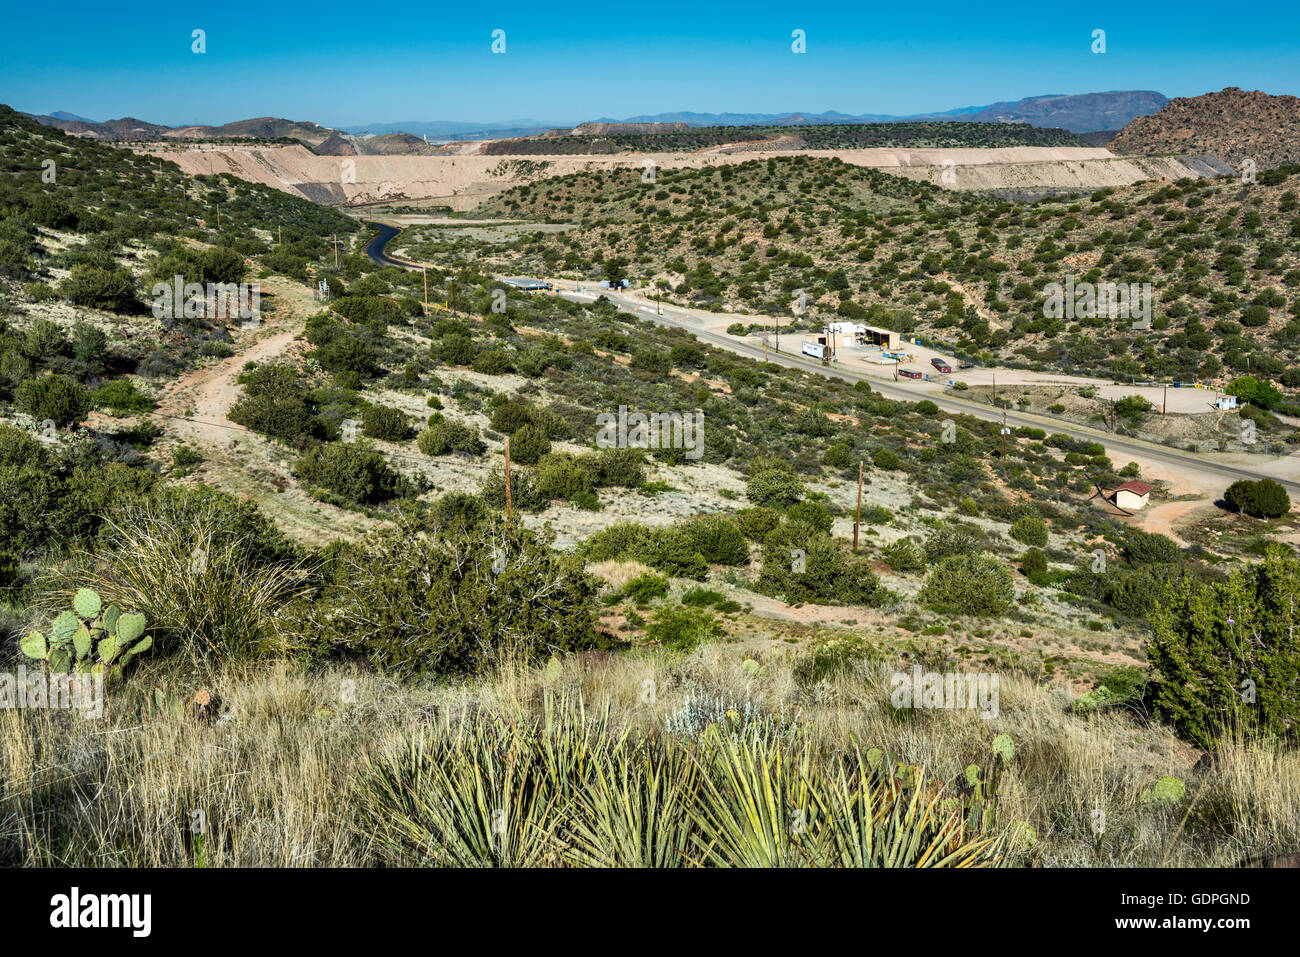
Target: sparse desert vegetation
<point x="387" y="575"/>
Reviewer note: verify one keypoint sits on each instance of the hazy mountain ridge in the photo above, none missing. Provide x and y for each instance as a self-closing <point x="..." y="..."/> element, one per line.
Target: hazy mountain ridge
<point x="1077" y="113"/>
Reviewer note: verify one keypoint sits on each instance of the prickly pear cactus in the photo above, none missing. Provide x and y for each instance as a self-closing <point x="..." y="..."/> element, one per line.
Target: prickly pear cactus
<point x="86" y="641"/>
<point x="1004" y="748"/>
<point x="1165" y="791"/>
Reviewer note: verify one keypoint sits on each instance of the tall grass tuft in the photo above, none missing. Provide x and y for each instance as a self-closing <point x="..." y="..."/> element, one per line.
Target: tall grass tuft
<point x="206" y="592"/>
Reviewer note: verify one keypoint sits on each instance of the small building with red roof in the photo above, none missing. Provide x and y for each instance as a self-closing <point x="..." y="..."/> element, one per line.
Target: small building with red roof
<point x="1132" y="495"/>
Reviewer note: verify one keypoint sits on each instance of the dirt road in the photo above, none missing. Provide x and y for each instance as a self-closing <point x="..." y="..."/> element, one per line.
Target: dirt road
<point x="193" y="411"/>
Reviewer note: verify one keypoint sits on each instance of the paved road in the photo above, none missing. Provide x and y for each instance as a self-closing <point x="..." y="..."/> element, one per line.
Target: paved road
<point x="375" y="248"/>
<point x="1117" y="447"/>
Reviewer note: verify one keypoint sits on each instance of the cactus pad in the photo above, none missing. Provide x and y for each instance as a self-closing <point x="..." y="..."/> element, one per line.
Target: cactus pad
<point x="1004" y="747"/>
<point x="34" y="645"/>
<point x="129" y="628"/>
<point x="86" y="603"/>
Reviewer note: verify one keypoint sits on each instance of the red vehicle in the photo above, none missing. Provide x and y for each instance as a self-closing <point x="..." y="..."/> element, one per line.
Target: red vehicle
<point x="908" y="373"/>
<point x="940" y="364"/>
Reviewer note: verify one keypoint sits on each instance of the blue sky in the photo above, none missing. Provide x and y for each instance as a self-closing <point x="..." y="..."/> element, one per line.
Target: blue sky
<point x="342" y="64"/>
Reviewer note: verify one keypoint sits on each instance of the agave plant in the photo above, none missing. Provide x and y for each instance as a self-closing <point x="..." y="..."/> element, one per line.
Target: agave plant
<point x="89" y="639"/>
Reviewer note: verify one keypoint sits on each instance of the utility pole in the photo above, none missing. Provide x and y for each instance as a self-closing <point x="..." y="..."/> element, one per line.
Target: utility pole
<point x="995" y="387"/>
<point x="1164" y="406"/>
<point x="507" y="478"/>
<point x="1005" y="430"/>
<point x="336" y="252"/>
<point x="281" y="234"/>
<point x="857" y="518"/>
<point x="778" y="333"/>
<point x="424" y="274"/>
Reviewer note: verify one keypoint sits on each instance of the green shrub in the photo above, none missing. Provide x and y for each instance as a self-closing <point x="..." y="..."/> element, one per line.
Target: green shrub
<point x="838" y="456"/>
<point x="755" y="523"/>
<point x="56" y="398"/>
<point x="622" y="541"/>
<point x="1030" y="530"/>
<point x="290" y="418"/>
<point x="718" y="539"/>
<point x="510" y="416"/>
<point x="1034" y="564"/>
<point x="99" y="288"/>
<point x="561" y="476"/>
<point x="619" y="467"/>
<point x="886" y="459"/>
<point x="774" y="488"/>
<point x="355" y="474"/>
<point x="121" y="397"/>
<point x="1133" y="407"/>
<point x="812" y="513"/>
<point x="1225" y="653"/>
<point x="682" y="628"/>
<point x="953" y="539"/>
<point x="459" y="509"/>
<point x="673" y="551"/>
<point x="529" y="444"/>
<point x="646" y="587"/>
<point x="903" y="555"/>
<point x="1263" y="499"/>
<point x="969" y="584"/>
<point x="443" y="437"/>
<point x="801" y="567"/>
<point x="385" y="422"/>
<point x="1151" y="548"/>
<point x="457" y="604"/>
<point x="525" y="496"/>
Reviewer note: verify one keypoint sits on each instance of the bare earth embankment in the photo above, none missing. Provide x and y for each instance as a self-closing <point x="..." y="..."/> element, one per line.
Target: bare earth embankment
<point x="464" y="181"/>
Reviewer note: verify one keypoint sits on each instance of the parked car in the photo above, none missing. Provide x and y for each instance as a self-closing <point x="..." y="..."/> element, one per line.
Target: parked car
<point x="908" y="373"/>
<point x="940" y="364"/>
<point x="965" y="364"/>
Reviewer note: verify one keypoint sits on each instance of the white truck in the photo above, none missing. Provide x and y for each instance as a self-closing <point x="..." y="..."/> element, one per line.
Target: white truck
<point x="817" y="350"/>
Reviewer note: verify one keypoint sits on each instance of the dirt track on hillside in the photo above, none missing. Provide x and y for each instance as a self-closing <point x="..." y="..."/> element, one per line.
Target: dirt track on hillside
<point x="193" y="411"/>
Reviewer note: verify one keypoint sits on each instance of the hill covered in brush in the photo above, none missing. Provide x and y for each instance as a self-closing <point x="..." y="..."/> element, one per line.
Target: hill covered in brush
<point x="1232" y="124"/>
<point x="833" y="136"/>
<point x="1222" y="258"/>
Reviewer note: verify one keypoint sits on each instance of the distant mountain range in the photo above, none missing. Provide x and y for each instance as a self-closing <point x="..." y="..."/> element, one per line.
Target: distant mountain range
<point x="1078" y="113"/>
<point x="444" y="130"/>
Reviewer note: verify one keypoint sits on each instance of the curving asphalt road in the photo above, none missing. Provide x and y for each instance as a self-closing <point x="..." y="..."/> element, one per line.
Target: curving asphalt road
<point x="375" y="248"/>
<point x="1116" y="446"/>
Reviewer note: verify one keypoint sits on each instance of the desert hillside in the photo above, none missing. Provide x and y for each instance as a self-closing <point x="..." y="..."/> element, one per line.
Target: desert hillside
<point x="1233" y="124"/>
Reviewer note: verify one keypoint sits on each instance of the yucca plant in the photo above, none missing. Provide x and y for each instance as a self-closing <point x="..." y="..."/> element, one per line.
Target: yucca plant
<point x="636" y="810"/>
<point x="473" y="795"/>
<point x="755" y="805"/>
<point x="873" y="820"/>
